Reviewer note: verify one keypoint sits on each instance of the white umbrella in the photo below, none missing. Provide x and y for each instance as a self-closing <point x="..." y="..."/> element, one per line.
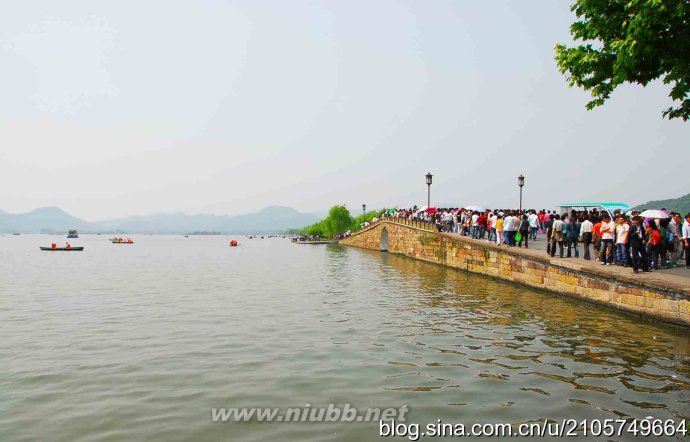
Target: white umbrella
<point x="653" y="213"/>
<point x="477" y="208"/>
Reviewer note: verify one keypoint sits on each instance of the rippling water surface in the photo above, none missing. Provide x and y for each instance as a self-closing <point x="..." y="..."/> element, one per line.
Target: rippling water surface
<point x="141" y="341"/>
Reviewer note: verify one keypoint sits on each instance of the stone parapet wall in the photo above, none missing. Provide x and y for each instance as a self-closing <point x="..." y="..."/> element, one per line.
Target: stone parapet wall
<point x="663" y="297"/>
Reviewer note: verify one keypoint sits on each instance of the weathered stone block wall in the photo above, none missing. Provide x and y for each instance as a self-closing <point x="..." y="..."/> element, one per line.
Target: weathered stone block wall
<point x="666" y="302"/>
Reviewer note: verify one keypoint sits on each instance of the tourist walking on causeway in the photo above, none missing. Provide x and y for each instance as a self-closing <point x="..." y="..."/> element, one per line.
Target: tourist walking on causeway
<point x="596" y="237"/>
<point x="548" y="228"/>
<point x="572" y="235"/>
<point x="516" y="225"/>
<point x="653" y="245"/>
<point x="608" y="233"/>
<point x="566" y="223"/>
<point x="622" y="229"/>
<point x="685" y="236"/>
<point x="557" y="236"/>
<point x="474" y="229"/>
<point x="507" y="229"/>
<point x="533" y="219"/>
<point x="499" y="229"/>
<point x="491" y="226"/>
<point x="482" y="221"/>
<point x="675" y="229"/>
<point x="586" y="235"/>
<point x="523" y="228"/>
<point x="637" y="239"/>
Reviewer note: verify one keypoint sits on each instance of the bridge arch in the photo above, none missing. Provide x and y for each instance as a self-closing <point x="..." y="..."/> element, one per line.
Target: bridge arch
<point x="384" y="240"/>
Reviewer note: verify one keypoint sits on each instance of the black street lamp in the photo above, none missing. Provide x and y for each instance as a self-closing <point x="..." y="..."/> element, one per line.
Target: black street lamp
<point x="364" y="208"/>
<point x="428" y="193"/>
<point x="521" y="183"/>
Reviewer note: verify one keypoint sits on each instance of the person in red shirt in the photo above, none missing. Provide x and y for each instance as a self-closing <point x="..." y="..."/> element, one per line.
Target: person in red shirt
<point x="53" y="246"/>
<point x="481" y="222"/>
<point x="541" y="216"/>
<point x="654" y="244"/>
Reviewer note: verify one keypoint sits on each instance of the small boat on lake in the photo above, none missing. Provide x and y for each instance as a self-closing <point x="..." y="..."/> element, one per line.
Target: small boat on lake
<point x="62" y="249"/>
<point x="72" y="233"/>
<point x="121" y="241"/>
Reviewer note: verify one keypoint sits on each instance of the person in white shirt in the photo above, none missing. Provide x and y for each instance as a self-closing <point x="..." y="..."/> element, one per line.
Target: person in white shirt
<point x="448" y="221"/>
<point x="507" y="229"/>
<point x="608" y="232"/>
<point x="622" y="229"/>
<point x="533" y="220"/>
<point x="685" y="235"/>
<point x="474" y="231"/>
<point x="586" y="235"/>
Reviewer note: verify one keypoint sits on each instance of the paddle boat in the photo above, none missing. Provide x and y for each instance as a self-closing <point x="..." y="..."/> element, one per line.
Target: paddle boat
<point x="121" y="241"/>
<point x="68" y="248"/>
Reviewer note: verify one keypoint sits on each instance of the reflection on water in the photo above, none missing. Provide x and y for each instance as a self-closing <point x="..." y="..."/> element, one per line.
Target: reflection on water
<point x="141" y="342"/>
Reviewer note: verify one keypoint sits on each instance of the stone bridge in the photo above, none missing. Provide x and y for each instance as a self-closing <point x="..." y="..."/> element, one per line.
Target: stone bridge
<point x="662" y="297"/>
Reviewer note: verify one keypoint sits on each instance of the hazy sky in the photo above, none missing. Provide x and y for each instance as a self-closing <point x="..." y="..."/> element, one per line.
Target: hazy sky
<point x="132" y="107"/>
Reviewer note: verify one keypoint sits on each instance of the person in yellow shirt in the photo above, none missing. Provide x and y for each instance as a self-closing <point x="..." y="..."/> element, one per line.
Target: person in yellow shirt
<point x="499" y="230"/>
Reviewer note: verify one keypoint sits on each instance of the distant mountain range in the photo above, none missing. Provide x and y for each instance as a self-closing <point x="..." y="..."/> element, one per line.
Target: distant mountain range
<point x="272" y="219"/>
<point x="680" y="205"/>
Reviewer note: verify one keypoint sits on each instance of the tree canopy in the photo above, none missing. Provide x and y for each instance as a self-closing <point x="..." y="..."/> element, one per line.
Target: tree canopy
<point x="338" y="221"/>
<point x="680" y="204"/>
<point x="633" y="41"/>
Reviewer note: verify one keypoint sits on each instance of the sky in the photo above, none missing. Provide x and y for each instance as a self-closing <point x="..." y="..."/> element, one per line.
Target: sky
<point x="111" y="109"/>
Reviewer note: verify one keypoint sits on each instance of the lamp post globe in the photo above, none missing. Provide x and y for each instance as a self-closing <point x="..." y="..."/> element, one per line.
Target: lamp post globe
<point x="521" y="183"/>
<point x="429" y="177"/>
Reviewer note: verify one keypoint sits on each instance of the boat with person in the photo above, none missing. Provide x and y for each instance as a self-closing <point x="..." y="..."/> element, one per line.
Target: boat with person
<point x="62" y="249"/>
<point x="119" y="240"/>
<point x="72" y="233"/>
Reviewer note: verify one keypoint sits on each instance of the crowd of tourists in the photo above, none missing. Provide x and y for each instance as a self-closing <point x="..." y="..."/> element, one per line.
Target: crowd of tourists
<point x="624" y="239"/>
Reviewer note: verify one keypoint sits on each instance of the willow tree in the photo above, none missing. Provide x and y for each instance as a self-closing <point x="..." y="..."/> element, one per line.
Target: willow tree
<point x="338" y="220"/>
<point x="629" y="41"/>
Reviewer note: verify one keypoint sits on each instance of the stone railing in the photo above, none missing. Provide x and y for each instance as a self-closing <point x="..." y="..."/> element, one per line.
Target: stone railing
<point x="414" y="223"/>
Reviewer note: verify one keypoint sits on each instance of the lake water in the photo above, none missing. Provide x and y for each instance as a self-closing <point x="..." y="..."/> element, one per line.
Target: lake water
<point x="134" y="342"/>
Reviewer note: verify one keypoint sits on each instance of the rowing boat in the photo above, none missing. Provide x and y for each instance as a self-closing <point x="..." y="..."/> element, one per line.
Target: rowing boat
<point x="62" y="249"/>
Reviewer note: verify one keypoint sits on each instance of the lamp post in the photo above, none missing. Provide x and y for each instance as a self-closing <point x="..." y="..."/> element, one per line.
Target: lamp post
<point x="521" y="183"/>
<point x="364" y="208"/>
<point x="428" y="193"/>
